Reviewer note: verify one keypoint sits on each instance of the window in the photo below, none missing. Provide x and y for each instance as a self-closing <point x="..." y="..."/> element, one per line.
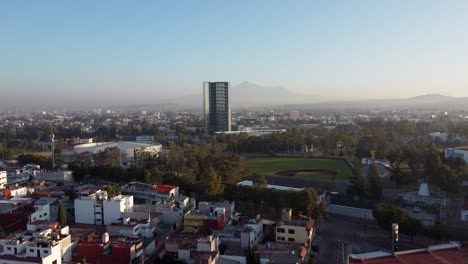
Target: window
<point x="8" y="248"/>
<point x="291" y="239"/>
<point x="291" y="231"/>
<point x="280" y="230"/>
<point x="46" y="251"/>
<point x="31" y="250"/>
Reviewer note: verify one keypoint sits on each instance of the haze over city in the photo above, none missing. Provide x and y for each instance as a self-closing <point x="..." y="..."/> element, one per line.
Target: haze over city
<point x="116" y="52"/>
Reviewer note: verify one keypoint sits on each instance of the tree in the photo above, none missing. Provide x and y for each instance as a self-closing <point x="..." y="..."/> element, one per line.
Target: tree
<point x="212" y="185"/>
<point x="111" y="190"/>
<point x="359" y="185"/>
<point x="432" y="163"/>
<point x="375" y="187"/>
<point x="386" y="214"/>
<point x="259" y="180"/>
<point x="9" y="154"/>
<point x="306" y="202"/>
<point x="62" y="216"/>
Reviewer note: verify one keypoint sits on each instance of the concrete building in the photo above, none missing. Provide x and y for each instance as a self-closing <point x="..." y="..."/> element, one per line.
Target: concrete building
<point x="127" y="149"/>
<point x="216" y="107"/>
<point x="461" y="152"/>
<point x="451" y="253"/>
<point x="3" y="179"/>
<point x="151" y="193"/>
<point x="55" y="176"/>
<point x="50" y="246"/>
<point x="205" y="223"/>
<point x="131" y="227"/>
<point x="111" y="249"/>
<point x="282" y="253"/>
<point x="295" y="231"/>
<point x="96" y="208"/>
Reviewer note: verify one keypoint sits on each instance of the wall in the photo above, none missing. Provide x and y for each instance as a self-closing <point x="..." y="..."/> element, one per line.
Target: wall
<point x="84" y="211"/>
<point x="299" y="234"/>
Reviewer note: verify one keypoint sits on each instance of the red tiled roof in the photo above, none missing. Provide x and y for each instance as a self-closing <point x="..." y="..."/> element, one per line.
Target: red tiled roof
<point x="164" y="188"/>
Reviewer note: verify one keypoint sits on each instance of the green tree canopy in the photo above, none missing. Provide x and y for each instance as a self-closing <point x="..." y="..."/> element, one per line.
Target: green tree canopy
<point x="62" y="216"/>
<point x="375" y="187"/>
<point x="358" y="185"/>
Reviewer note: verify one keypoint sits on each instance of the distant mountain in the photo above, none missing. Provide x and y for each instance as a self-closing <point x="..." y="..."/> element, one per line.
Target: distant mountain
<point x="251" y="96"/>
<point x="423" y="102"/>
<point x="247" y="94"/>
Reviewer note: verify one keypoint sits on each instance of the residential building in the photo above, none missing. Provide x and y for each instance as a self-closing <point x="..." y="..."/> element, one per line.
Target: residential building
<point x="216" y="107"/>
<point x="295" y="231"/>
<point x="451" y="253"/>
<point x="111" y="249"/>
<point x="151" y="193"/>
<point x="131" y="227"/>
<point x="205" y="223"/>
<point x="461" y="152"/>
<point x="3" y="179"/>
<point x="50" y="246"/>
<point x="96" y="208"/>
<point x="282" y="253"/>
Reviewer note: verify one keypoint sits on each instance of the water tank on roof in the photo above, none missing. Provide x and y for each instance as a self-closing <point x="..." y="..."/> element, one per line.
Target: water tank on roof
<point x="105" y="238"/>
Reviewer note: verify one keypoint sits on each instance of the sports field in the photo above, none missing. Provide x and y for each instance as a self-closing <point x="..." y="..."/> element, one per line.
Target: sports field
<point x="321" y="169"/>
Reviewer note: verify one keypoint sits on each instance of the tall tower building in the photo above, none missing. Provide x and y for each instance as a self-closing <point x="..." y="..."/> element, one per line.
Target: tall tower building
<point x="216" y="107"/>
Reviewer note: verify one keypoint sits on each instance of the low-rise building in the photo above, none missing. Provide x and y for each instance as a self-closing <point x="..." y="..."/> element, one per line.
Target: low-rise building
<point x="282" y="253"/>
<point x="95" y="207"/>
<point x="461" y="152"/>
<point x="205" y="223"/>
<point x="110" y="249"/>
<point x="3" y="179"/>
<point x="51" y="246"/>
<point x="151" y="193"/>
<point x="451" y="253"/>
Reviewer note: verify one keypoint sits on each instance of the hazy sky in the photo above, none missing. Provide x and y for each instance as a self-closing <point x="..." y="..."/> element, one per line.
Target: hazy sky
<point x="141" y="51"/>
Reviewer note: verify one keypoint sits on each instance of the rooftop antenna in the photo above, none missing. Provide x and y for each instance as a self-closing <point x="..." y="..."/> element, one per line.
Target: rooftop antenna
<point x="52" y="142"/>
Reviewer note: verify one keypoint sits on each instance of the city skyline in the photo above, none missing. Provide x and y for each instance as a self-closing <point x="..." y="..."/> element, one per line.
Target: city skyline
<point x="88" y="53"/>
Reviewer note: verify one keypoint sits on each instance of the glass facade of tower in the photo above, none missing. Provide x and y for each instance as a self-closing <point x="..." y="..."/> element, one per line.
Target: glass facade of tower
<point x="216" y="106"/>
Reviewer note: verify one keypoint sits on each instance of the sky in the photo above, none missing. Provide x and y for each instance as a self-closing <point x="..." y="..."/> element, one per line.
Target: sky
<point x="129" y="52"/>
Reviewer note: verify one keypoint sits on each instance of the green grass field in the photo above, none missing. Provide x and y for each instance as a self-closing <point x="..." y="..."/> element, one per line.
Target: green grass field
<point x="274" y="165"/>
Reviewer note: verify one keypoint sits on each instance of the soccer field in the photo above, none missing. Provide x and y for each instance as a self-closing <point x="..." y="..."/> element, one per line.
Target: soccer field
<point x="322" y="169"/>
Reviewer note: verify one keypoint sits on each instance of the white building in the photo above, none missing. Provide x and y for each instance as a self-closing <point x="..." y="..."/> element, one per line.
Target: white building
<point x="151" y="193"/>
<point x="50" y="246"/>
<point x="3" y="179"/>
<point x="270" y="186"/>
<point x="96" y="208"/>
<point x="457" y="153"/>
<point x="131" y="227"/>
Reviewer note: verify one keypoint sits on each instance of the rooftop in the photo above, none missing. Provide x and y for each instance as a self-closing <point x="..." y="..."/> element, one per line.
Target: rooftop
<point x="452" y="253"/>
